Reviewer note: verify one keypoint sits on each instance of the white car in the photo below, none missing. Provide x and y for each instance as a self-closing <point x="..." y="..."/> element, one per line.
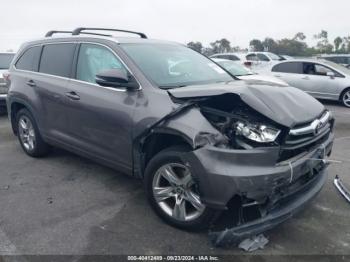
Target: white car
<point x="243" y="73"/>
<point x="320" y="78"/>
<point x="5" y="61"/>
<point x="342" y="59"/>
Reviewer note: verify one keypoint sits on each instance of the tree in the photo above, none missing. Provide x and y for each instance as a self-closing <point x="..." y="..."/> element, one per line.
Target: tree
<point x="221" y="46"/>
<point x="299" y="36"/>
<point x="270" y="45"/>
<point x="323" y="44"/>
<point x="291" y="47"/>
<point x="256" y="45"/>
<point x="197" y="46"/>
<point x="337" y="43"/>
<point x="207" y="51"/>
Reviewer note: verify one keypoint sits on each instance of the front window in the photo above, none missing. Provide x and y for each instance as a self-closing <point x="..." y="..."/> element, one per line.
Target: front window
<point x="93" y="59"/>
<point x="5" y="60"/>
<point x="235" y="68"/>
<point x="170" y="65"/>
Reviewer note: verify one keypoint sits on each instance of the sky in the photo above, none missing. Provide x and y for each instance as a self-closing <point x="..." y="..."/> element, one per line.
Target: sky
<point x="178" y="20"/>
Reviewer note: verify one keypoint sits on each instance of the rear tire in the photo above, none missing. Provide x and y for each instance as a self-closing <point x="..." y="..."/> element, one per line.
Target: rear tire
<point x="176" y="199"/>
<point x="29" y="136"/>
<point x="345" y="97"/>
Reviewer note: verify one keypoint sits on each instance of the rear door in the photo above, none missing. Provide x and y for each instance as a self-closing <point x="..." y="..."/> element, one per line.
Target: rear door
<point x="100" y="118"/>
<point x="51" y="84"/>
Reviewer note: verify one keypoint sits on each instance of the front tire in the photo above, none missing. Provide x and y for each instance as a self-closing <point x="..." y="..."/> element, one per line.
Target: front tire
<point x="29" y="136"/>
<point x="345" y="97"/>
<point x="173" y="193"/>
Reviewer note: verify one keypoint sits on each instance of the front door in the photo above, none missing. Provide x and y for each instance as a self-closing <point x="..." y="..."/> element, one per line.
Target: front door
<point x="101" y="118"/>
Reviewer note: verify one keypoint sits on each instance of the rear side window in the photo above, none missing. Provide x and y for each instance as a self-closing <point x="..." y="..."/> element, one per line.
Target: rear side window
<point x="30" y="59"/>
<point x="57" y="59"/>
<point x="289" y="67"/>
<point x="94" y="59"/>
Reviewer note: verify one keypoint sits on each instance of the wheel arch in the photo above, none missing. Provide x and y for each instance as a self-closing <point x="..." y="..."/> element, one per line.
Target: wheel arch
<point x="342" y="93"/>
<point x="15" y="106"/>
<point x="157" y="141"/>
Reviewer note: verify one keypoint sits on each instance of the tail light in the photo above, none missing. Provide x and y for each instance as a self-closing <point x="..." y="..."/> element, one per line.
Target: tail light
<point x="6" y="76"/>
<point x="248" y="63"/>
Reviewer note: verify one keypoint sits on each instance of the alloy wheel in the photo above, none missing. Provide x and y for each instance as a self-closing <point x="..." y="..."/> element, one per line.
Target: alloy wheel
<point x="26" y="133"/>
<point x="346" y="98"/>
<point x="176" y="192"/>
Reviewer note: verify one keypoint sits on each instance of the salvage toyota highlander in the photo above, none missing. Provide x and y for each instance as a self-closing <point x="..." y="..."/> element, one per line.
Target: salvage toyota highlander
<point x="202" y="140"/>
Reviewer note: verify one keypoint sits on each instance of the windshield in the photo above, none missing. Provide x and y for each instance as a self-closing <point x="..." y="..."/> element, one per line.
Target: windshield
<point x="275" y="57"/>
<point x="234" y="68"/>
<point x="170" y="65"/>
<point x="337" y="67"/>
<point x="5" y="60"/>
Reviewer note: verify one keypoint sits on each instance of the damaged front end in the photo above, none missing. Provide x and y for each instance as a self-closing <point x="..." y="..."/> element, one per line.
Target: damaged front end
<point x="263" y="172"/>
<point x="258" y="153"/>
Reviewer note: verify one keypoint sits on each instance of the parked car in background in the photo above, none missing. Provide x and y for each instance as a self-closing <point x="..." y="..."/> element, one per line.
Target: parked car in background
<point x="338" y="59"/>
<point x="263" y="57"/>
<point x="228" y="56"/>
<point x="320" y="78"/>
<point x="286" y="57"/>
<point x="5" y="61"/>
<point x="251" y="59"/>
<point x="243" y="73"/>
<point x="161" y="112"/>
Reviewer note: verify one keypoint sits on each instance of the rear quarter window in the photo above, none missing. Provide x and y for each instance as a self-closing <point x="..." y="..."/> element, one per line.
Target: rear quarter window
<point x="29" y="60"/>
<point x="289" y="67"/>
<point x="57" y="59"/>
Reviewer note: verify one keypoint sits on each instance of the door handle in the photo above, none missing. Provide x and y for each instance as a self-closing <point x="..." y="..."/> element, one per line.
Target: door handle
<point x="31" y="83"/>
<point x="277" y="75"/>
<point x="72" y="95"/>
<point x="306" y="78"/>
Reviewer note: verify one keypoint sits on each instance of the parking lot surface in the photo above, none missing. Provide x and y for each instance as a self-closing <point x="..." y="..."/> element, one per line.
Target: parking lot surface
<point x="65" y="204"/>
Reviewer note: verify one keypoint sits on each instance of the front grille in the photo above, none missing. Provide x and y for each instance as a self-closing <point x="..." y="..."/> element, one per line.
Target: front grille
<point x="306" y="138"/>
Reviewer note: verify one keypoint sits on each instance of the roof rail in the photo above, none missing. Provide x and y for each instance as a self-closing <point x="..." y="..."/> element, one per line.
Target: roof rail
<point x="50" y="33"/>
<point x="79" y="30"/>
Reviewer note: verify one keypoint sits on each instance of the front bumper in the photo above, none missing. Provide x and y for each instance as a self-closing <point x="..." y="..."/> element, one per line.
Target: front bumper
<point x="277" y="191"/>
<point x="253" y="174"/>
<point x="276" y="216"/>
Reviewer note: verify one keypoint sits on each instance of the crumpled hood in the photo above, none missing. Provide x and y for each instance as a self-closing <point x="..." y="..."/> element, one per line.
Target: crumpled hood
<point x="264" y="78"/>
<point x="285" y="105"/>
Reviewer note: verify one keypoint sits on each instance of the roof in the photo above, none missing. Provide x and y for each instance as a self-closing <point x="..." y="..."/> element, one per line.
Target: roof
<point x="86" y="34"/>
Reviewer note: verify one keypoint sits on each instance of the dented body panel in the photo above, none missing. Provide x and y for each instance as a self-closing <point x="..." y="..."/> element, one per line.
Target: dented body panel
<point x="285" y="105"/>
<point x="253" y="174"/>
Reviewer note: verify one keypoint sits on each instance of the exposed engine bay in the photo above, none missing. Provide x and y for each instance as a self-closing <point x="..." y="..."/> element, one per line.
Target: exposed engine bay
<point x="243" y="126"/>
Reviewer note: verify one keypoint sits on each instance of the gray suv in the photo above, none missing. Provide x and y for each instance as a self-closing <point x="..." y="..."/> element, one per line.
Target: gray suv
<point x="202" y="141"/>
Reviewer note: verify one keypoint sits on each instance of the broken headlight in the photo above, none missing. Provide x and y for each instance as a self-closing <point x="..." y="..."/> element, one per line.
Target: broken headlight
<point x="257" y="132"/>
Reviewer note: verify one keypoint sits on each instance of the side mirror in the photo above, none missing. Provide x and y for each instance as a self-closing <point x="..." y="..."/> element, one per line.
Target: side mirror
<point x="331" y="74"/>
<point x="116" y="78"/>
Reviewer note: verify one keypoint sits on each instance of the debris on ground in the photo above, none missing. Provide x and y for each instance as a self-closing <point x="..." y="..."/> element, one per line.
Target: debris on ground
<point x="341" y="188"/>
<point x="7" y="187"/>
<point x="49" y="200"/>
<point x="254" y="243"/>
